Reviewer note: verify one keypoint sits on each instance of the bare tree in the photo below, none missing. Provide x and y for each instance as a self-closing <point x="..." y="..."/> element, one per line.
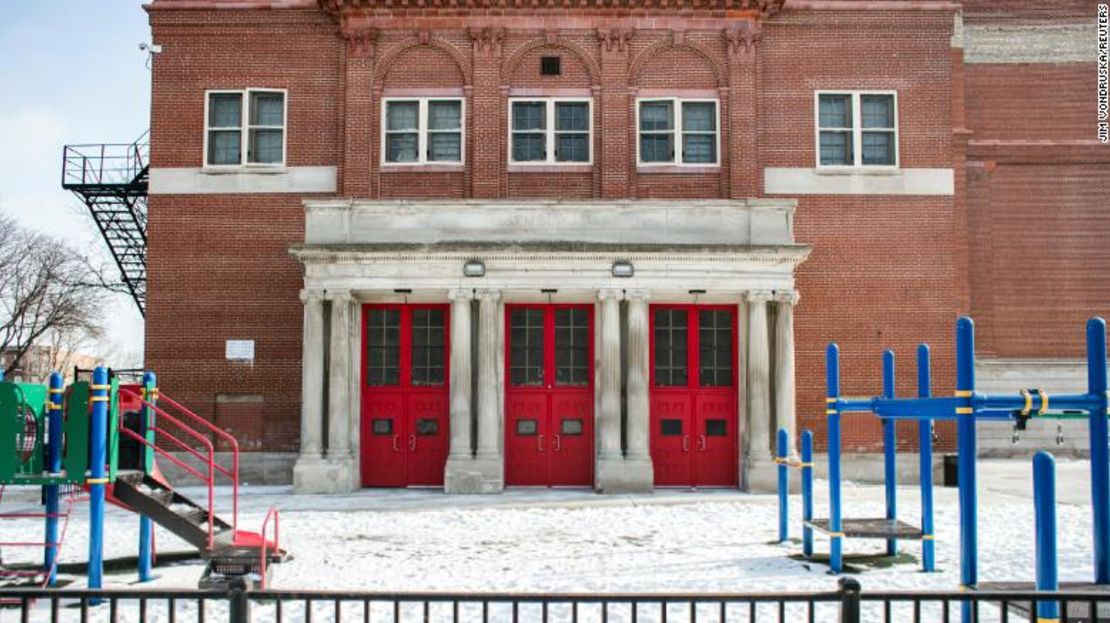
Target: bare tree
<point x="50" y="293"/>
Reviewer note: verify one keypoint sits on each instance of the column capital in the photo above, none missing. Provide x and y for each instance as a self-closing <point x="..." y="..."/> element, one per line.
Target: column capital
<point x="340" y="296"/>
<point x="790" y="297"/>
<point x="744" y="38"/>
<point x="759" y="296"/>
<point x="312" y="295"/>
<point x="638" y="294"/>
<point x="605" y="294"/>
<point x="488" y="294"/>
<point x="460" y="294"/>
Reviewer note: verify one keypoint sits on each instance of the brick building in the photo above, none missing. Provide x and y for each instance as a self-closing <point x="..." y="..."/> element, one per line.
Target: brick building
<point x="480" y="244"/>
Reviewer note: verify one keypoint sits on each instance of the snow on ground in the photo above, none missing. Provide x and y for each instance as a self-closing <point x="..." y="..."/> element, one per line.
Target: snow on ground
<point x="576" y="541"/>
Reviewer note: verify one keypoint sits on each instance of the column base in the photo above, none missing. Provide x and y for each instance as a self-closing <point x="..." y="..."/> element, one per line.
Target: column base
<point x="467" y="475"/>
<point x="318" y="475"/>
<point x="761" y="475"/>
<point x="624" y="476"/>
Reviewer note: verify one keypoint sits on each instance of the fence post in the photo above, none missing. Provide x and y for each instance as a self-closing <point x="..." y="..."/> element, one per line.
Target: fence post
<point x="925" y="453"/>
<point x="968" y="494"/>
<point x="832" y="411"/>
<point x="849" y="600"/>
<point x="1044" y="505"/>
<point x="239" y="602"/>
<point x="807" y="493"/>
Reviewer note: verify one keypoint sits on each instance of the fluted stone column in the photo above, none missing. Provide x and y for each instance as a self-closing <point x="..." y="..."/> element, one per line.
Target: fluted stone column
<point x="639" y="375"/>
<point x="460" y="476"/>
<point x="307" y="472"/>
<point x="489" y="468"/>
<point x="761" y="467"/>
<point x="784" y="366"/>
<point x="609" y="418"/>
<point x="340" y="459"/>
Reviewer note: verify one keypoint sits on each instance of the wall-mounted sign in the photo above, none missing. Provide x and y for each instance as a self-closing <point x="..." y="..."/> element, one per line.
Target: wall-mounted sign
<point x="240" y="350"/>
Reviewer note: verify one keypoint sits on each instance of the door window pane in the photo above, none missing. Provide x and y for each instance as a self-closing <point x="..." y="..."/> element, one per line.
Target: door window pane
<point x="670" y="348"/>
<point x="429" y="346"/>
<point x="572" y="348"/>
<point x="716" y="428"/>
<point x="670" y="428"/>
<point x="382" y="426"/>
<point x="715" y="347"/>
<point x="527" y="428"/>
<point x="383" y="337"/>
<point x="427" y="428"/>
<point x="526" y="347"/>
<point x="571" y="427"/>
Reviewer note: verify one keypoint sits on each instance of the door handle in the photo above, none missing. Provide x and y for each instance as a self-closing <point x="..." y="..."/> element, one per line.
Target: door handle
<point x="702" y="444"/>
<point x="541" y="443"/>
<point x="558" y="444"/>
<point x="685" y="443"/>
<point x="395" y="448"/>
<point x="412" y="441"/>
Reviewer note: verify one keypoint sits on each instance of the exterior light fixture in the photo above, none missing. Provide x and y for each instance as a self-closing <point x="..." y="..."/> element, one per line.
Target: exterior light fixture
<point x="623" y="269"/>
<point x="696" y="292"/>
<point x="474" y="268"/>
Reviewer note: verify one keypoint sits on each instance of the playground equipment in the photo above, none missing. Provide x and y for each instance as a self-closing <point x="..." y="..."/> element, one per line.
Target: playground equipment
<point x="966" y="407"/>
<point x="74" y="440"/>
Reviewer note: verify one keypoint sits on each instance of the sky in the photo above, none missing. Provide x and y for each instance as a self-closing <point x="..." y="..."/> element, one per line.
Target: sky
<point x="71" y="72"/>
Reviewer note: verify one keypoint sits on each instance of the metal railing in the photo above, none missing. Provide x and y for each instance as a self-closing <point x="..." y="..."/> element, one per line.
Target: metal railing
<point x="847" y="604"/>
<point x="100" y="164"/>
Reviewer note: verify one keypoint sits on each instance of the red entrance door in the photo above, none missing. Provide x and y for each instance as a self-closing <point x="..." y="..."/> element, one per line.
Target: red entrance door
<point x="405" y="403"/>
<point x="693" y="395"/>
<point x="549" y="420"/>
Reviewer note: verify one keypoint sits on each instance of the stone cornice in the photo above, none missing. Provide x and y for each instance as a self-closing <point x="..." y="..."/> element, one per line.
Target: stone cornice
<point x="755" y="7"/>
<point x="461" y="252"/>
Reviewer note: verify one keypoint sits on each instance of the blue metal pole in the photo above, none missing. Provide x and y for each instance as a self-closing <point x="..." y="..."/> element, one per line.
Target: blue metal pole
<point x="97" y="459"/>
<point x="1044" y="504"/>
<point x="807" y="493"/>
<point x="925" y="452"/>
<point x="969" y="503"/>
<point x="54" y="468"/>
<point x="890" y="449"/>
<point x="781" y="442"/>
<point x="146" y="525"/>
<point x="1100" y="457"/>
<point x="836" y="536"/>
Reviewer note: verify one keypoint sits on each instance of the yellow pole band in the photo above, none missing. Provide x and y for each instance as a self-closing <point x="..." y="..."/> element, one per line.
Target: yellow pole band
<point x="836" y="535"/>
<point x="99" y="387"/>
<point x="1044" y="403"/>
<point x="927" y="537"/>
<point x="964" y="410"/>
<point x="831" y="400"/>
<point x="54" y="390"/>
<point x="831" y="412"/>
<point x="99" y="399"/>
<point x="1028" y="402"/>
<point x="96" y="481"/>
<point x="964" y="393"/>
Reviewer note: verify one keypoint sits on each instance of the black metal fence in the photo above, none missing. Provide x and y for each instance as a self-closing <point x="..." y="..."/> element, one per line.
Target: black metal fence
<point x="847" y="604"/>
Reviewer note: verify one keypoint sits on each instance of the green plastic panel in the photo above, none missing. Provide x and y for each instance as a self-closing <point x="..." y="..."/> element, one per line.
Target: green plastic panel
<point x="75" y="460"/>
<point x="22" y="430"/>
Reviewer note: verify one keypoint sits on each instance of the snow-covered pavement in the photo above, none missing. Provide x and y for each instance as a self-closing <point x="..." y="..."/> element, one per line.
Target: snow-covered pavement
<point x="543" y="540"/>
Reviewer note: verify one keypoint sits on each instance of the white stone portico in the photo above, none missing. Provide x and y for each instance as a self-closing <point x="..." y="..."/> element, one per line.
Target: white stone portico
<point x="718" y="252"/>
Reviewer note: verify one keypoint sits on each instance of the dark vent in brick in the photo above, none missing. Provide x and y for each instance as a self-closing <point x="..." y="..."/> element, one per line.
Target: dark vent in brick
<point x="549" y="66"/>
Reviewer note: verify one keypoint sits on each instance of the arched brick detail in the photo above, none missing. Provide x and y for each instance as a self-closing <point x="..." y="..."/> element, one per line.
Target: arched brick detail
<point x="514" y="59"/>
<point x="386" y="60"/>
<point x="636" y="67"/>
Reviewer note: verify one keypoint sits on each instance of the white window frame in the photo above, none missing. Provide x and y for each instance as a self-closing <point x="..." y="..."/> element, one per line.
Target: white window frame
<point x="422" y="131"/>
<point x="857" y="132"/>
<point x="245" y="127"/>
<point x="676" y="107"/>
<point x="549" y="131"/>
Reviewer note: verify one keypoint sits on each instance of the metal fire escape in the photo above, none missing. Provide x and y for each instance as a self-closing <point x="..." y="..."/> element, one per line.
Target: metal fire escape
<point x="112" y="181"/>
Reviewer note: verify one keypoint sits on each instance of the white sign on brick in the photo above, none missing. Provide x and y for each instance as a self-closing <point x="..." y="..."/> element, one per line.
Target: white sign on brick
<point x="239" y="350"/>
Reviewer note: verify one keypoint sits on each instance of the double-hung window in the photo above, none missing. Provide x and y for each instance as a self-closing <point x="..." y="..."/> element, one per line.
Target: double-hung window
<point x="678" y="132"/>
<point x="422" y="131"/>
<point x="245" y="127"/>
<point x="857" y="129"/>
<point x="550" y="131"/>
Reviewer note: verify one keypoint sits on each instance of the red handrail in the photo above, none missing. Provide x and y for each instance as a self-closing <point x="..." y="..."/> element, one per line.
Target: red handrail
<point x="207" y="444"/>
<point x="232" y="443"/>
<point x="273" y="512"/>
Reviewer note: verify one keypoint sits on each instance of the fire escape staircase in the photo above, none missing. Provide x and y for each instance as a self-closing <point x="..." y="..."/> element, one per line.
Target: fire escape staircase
<point x="112" y="180"/>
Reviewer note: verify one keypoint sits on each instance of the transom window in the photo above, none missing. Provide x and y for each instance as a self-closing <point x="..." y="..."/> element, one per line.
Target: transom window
<point x="671" y="347"/>
<point x="383" y="347"/>
<point x="715" y="347"/>
<point x="429" y="345"/>
<point x="245" y="127"/>
<point x="678" y="131"/>
<point x="857" y="129"/>
<point x="572" y="348"/>
<point x="526" y="351"/>
<point x="422" y="131"/>
<point x="550" y="131"/>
